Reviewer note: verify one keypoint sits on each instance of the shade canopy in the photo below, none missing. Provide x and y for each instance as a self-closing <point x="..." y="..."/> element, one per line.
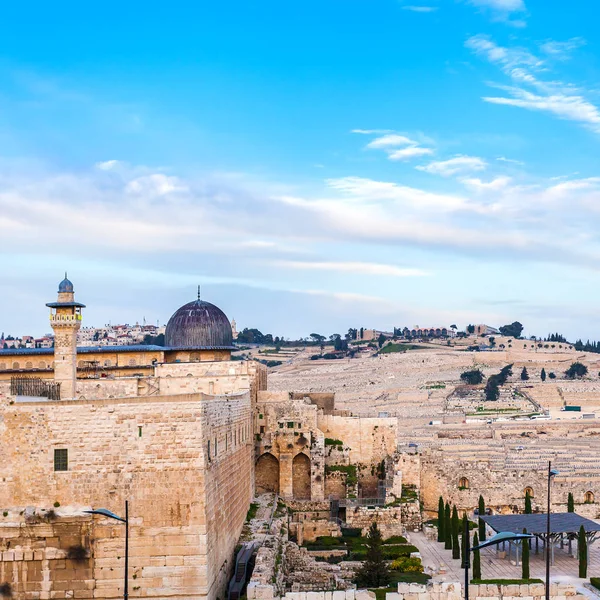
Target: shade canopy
<point x="105" y="513"/>
<point x="536" y="524"/>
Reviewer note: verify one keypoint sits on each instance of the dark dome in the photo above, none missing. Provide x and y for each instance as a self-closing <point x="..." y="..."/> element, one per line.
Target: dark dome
<point x="198" y="324"/>
<point x="65" y="286"/>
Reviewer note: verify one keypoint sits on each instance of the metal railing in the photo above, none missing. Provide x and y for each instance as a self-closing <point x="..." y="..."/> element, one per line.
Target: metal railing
<point x="34" y="386"/>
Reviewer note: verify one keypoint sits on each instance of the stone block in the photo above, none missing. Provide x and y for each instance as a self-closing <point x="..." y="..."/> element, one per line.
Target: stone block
<point x="393" y="596"/>
<point x="403" y="588"/>
<point x="339" y="595"/>
<point x="350" y="594"/>
<point x="328" y="595"/>
<point x="524" y="590"/>
<point x="416" y="588"/>
<point x="537" y="589"/>
<point x="364" y="595"/>
<point x="315" y="596"/>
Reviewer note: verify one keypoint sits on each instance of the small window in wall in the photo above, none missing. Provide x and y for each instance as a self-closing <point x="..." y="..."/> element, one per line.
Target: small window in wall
<point x="262" y="428"/>
<point x="61" y="459"/>
<point x="463" y="483"/>
<point x="261" y="416"/>
<point x="29" y="365"/>
<point x="280" y="425"/>
<point x="528" y="491"/>
<point x="216" y="446"/>
<point x="139" y="431"/>
<point x="588" y="497"/>
<point x="290" y="425"/>
<point x="208" y="449"/>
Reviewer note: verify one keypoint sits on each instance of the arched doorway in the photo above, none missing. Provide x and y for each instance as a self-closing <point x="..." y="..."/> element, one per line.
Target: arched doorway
<point x="267" y="474"/>
<point x="301" y="477"/>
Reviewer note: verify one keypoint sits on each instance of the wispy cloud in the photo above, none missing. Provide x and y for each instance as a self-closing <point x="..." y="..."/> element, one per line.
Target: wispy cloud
<point x="562" y="50"/>
<point x="361" y="268"/>
<point x="563" y="100"/>
<point x="510" y="160"/>
<point x="454" y="166"/>
<point x="420" y="9"/>
<point x="502" y="10"/>
<point x="392" y="143"/>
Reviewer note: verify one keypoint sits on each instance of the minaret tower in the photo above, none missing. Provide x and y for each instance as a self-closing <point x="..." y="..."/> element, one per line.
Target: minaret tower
<point x="65" y="319"/>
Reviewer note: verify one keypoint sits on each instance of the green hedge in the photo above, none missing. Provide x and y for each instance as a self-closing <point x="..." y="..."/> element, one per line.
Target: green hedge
<point x="389" y="552"/>
<point x="595" y="581"/>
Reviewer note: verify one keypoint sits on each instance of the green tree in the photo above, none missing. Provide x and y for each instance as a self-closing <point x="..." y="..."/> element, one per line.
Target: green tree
<point x="552" y="375"/>
<point x="577" y="369"/>
<point x="447" y="528"/>
<point x="471" y="329"/>
<point x="528" y="510"/>
<point x="441" y="537"/>
<point x="543" y="374"/>
<point x="473" y="377"/>
<point x="524" y="374"/>
<point x="582" y="553"/>
<point x="476" y="558"/>
<point x="464" y="526"/>
<point x="374" y="571"/>
<point x="381" y="340"/>
<point x="455" y="528"/>
<point x="570" y="503"/>
<point x="525" y="559"/>
<point x="513" y="330"/>
<point x="481" y="514"/>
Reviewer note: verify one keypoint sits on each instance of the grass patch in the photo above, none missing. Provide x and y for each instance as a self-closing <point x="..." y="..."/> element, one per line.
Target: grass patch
<point x="251" y="514"/>
<point x="350" y="471"/>
<point x="505" y="581"/>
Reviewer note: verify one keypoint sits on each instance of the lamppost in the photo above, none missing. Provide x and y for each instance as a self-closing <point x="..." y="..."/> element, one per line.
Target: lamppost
<point x="551" y="474"/>
<point x="503" y="536"/>
<point x="111" y="515"/>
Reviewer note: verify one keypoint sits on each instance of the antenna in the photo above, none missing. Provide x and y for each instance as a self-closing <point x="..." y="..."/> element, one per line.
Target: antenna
<point x="198" y="292"/>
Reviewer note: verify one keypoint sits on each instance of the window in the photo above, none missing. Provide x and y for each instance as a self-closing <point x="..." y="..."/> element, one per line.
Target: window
<point x="61" y="459"/>
<point x="262" y="429"/>
<point x="280" y="425"/>
<point x="588" y="497"/>
<point x="463" y="484"/>
<point x="132" y="362"/>
<point x="139" y="431"/>
<point x="208" y="449"/>
<point x="107" y="363"/>
<point x="290" y="425"/>
<point x="528" y="491"/>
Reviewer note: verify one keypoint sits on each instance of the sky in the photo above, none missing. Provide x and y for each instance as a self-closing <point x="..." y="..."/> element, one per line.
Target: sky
<point x="313" y="166"/>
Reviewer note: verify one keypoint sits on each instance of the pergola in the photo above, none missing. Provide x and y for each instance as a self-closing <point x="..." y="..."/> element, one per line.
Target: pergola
<point x="563" y="527"/>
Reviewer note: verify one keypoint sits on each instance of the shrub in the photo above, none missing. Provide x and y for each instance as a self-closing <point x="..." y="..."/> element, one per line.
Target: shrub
<point x="56" y="504"/>
<point x="577" y="369"/>
<point x="6" y="590"/>
<point x="408" y="565"/>
<point x="252" y="511"/>
<point x="395" y="539"/>
<point x="473" y="377"/>
<point x="595" y="581"/>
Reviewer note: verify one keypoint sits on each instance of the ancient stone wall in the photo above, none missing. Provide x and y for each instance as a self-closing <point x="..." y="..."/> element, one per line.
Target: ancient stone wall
<point x="184" y="462"/>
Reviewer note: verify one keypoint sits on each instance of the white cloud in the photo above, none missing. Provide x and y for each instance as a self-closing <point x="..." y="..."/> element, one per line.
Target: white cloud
<point x="362" y="268"/>
<point x="502" y="10"/>
<point x="107" y="165"/>
<point x="420" y="9"/>
<point x="155" y="184"/>
<point x="390" y="140"/>
<point x="562" y="50"/>
<point x="558" y="98"/>
<point x="495" y="185"/>
<point x="454" y="166"/>
<point x="371" y="131"/>
<point x="408" y="153"/>
<point x="563" y="106"/>
<point x="510" y="160"/>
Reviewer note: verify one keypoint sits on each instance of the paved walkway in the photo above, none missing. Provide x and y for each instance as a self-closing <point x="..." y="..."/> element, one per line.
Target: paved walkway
<point x="492" y="567"/>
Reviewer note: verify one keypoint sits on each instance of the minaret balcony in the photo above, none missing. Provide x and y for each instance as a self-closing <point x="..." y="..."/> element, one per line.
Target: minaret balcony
<point x="65" y="319"/>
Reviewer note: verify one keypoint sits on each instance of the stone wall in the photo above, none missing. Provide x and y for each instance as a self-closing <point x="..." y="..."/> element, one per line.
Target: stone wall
<point x="184" y="462"/>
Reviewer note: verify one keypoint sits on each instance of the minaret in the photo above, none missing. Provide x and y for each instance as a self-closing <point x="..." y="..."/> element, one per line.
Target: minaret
<point x="65" y="319"/>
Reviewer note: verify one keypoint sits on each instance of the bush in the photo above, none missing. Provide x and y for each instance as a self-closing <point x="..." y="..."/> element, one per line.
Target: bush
<point x="252" y="511"/>
<point x="395" y="539"/>
<point x="473" y="377"/>
<point x="595" y="581"/>
<point x="389" y="552"/>
<point x="577" y="369"/>
<point x="408" y="565"/>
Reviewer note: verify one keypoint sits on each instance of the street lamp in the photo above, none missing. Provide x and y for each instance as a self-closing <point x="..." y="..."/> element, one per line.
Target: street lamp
<point x="503" y="536"/>
<point x="111" y="515"/>
<point x="551" y="473"/>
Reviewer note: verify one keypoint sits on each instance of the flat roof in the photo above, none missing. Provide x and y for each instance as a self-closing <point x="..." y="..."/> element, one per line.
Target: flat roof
<point x="536" y="524"/>
<point x="96" y="349"/>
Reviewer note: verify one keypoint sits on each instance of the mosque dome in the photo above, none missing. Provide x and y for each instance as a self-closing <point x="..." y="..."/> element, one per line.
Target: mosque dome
<point x="198" y="324"/>
<point x="65" y="286"/>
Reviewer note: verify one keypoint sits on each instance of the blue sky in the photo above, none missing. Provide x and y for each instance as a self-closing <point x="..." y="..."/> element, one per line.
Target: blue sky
<point x="313" y="166"/>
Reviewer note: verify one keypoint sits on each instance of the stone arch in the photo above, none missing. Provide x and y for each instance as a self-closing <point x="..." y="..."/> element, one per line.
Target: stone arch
<point x="29" y="365"/>
<point x="132" y="362"/>
<point x="42" y="364"/>
<point x="529" y="490"/>
<point x="266" y="474"/>
<point x="588" y="497"/>
<point x="107" y="363"/>
<point x="463" y="483"/>
<point x="301" y="477"/>
<point x="15" y="365"/>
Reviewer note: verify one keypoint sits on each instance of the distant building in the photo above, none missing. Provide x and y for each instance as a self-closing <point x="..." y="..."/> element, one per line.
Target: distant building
<point x="485" y="330"/>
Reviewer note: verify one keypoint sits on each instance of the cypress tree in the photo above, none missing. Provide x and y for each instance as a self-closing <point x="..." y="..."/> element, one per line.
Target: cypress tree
<point x="476" y="559"/>
<point x="374" y="571"/>
<point x="543" y="374"/>
<point x="441" y="517"/>
<point x="455" y="528"/>
<point x="527" y="503"/>
<point x="570" y="503"/>
<point x="447" y="528"/>
<point x="525" y="559"/>
<point x="463" y="539"/>
<point x="481" y="523"/>
<point x="524" y="374"/>
<point x="583" y="553"/>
